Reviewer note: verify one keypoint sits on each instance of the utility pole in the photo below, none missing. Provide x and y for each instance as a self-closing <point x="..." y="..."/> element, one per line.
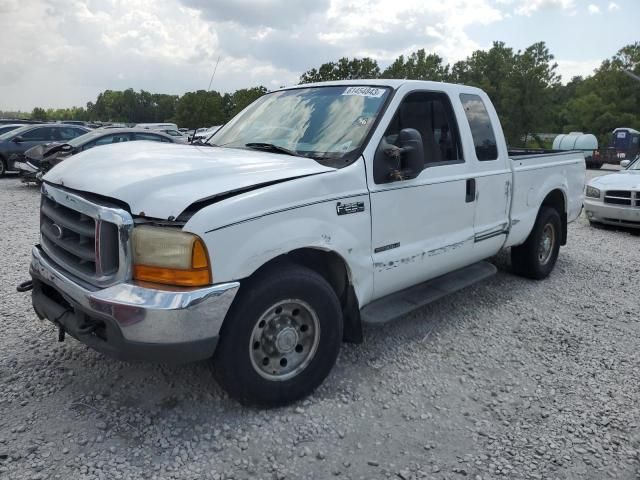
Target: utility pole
<point x="213" y="74"/>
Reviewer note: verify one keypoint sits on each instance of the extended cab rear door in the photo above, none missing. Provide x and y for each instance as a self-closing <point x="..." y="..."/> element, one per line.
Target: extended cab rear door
<point x="422" y="224"/>
<point x="488" y="158"/>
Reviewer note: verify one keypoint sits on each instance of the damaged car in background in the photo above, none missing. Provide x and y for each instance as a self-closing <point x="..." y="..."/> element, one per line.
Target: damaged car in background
<point x="42" y="158"/>
<point x="14" y="143"/>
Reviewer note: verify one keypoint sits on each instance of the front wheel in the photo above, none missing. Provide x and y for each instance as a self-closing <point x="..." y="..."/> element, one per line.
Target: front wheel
<point x="537" y="256"/>
<point x="3" y="167"/>
<point x="281" y="337"/>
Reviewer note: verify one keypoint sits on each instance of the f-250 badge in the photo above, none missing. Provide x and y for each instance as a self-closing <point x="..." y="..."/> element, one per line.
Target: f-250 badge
<point x="348" y="208"/>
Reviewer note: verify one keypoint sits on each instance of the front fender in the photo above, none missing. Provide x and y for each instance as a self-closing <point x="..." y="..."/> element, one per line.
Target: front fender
<point x="238" y="250"/>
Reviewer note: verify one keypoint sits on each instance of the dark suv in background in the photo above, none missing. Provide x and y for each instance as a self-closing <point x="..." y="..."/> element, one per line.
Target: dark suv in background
<point x="14" y="143"/>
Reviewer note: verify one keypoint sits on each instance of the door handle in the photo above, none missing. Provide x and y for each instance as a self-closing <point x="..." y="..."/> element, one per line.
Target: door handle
<point x="471" y="190"/>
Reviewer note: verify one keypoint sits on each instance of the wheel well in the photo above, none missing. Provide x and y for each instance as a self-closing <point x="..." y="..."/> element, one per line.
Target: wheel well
<point x="335" y="271"/>
<point x="555" y="199"/>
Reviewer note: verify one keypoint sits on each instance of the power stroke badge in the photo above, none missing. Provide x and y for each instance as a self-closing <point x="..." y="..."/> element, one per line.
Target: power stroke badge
<point x="348" y="208"/>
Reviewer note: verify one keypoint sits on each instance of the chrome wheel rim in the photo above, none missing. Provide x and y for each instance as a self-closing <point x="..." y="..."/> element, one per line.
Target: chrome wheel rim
<point x="284" y="340"/>
<point x="547" y="242"/>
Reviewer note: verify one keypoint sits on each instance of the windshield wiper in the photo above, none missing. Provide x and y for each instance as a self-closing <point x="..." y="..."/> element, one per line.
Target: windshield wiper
<point x="270" y="147"/>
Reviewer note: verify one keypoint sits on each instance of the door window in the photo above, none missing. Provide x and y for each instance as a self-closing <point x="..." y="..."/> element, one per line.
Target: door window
<point x="41" y="134"/>
<point x="148" y="136"/>
<point x="116" y="138"/>
<point x="431" y="115"/>
<point x="69" y="133"/>
<point x="484" y="139"/>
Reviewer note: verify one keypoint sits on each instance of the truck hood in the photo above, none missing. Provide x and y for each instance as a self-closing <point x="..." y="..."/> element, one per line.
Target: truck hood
<point x="625" y="180"/>
<point x="161" y="180"/>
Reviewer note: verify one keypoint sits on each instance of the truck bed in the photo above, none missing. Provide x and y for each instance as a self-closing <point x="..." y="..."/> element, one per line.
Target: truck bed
<point x="536" y="172"/>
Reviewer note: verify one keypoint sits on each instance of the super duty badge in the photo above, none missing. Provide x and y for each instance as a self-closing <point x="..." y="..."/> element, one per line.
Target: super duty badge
<point x="347" y="208"/>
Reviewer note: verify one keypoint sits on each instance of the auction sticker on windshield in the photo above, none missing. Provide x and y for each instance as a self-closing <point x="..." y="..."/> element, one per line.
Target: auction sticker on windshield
<point x="364" y="91"/>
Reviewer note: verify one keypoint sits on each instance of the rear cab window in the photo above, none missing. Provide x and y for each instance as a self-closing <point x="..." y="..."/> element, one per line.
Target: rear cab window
<point x="484" y="138"/>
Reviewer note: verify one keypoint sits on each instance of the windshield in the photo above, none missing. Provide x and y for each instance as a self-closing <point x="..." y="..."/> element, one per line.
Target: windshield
<point x="324" y="123"/>
<point x="635" y="165"/>
<point x="12" y="133"/>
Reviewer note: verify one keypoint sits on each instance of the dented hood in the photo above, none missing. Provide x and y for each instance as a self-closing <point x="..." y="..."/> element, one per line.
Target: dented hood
<point x="161" y="180"/>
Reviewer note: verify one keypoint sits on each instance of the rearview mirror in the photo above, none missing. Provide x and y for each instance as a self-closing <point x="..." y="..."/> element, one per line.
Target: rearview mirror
<point x="625" y="163"/>
<point x="18" y="139"/>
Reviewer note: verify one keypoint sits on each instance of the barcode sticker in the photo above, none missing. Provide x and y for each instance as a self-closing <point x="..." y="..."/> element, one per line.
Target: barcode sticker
<point x="364" y="91"/>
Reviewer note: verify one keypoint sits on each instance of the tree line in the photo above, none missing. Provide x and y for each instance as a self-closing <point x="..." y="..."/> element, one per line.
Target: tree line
<point x="524" y="86"/>
<point x="191" y="110"/>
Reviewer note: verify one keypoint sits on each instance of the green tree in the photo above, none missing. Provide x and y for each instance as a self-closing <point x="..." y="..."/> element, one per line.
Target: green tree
<point x="489" y="70"/>
<point x="609" y="98"/>
<point x="527" y="96"/>
<point x="343" y="69"/>
<point x="240" y="99"/>
<point x="418" y="66"/>
<point x="200" y="109"/>
<point x="39" y="114"/>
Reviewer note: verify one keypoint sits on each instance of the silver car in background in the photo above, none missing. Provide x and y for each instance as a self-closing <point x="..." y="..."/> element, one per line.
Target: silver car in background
<point x="615" y="199"/>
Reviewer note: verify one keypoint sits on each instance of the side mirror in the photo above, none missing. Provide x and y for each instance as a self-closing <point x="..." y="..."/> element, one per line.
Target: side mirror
<point x="18" y="139"/>
<point x="625" y="163"/>
<point x="399" y="158"/>
<point x="410" y="142"/>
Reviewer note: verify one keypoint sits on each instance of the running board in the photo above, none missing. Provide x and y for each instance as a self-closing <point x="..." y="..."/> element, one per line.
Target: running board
<point x="406" y="301"/>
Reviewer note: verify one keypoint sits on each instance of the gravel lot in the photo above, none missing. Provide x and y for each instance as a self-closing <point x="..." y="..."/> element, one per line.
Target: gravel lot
<point x="509" y="379"/>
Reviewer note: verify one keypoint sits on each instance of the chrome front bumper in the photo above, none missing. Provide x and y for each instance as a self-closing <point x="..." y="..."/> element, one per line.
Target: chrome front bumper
<point x="132" y="321"/>
<point x="625" y="216"/>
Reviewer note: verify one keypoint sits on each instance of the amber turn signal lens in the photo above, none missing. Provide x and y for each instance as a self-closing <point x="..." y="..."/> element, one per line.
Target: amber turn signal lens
<point x="170" y="276"/>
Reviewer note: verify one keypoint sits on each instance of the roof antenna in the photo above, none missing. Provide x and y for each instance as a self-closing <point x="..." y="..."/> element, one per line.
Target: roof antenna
<point x="213" y="74"/>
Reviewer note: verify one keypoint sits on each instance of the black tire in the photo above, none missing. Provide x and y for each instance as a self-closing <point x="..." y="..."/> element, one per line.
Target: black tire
<point x="234" y="362"/>
<point x="596" y="166"/>
<point x="3" y="167"/>
<point x="530" y="259"/>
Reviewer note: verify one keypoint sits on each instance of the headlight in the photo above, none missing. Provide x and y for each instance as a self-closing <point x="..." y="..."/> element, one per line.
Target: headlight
<point x="170" y="256"/>
<point x="592" y="192"/>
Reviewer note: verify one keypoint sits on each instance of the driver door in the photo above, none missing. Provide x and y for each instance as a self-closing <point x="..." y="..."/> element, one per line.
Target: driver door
<point x="422" y="227"/>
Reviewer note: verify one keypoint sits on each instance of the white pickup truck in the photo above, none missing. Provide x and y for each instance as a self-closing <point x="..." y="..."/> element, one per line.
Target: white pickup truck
<point x="316" y="209"/>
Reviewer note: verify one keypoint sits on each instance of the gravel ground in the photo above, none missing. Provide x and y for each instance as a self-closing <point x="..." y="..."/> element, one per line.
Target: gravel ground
<point x="508" y="379"/>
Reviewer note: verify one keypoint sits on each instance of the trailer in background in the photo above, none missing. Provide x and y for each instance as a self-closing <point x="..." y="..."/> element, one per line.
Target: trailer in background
<point x="624" y="144"/>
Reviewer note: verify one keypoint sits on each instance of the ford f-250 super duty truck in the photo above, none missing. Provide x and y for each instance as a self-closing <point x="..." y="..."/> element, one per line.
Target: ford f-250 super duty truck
<point x="316" y="209"/>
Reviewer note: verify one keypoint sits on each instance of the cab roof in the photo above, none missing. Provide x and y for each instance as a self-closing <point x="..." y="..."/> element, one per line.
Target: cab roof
<point x="394" y="84"/>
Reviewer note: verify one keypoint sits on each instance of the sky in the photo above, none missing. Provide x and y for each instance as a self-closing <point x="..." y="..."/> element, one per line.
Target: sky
<point x="62" y="53"/>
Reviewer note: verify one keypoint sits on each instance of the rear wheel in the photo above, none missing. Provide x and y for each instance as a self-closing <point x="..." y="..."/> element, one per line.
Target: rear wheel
<point x="537" y="256"/>
<point x="281" y="337"/>
<point x="3" y="167"/>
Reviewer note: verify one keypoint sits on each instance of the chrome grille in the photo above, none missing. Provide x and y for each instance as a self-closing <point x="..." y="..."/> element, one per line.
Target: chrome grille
<point x="622" y="197"/>
<point x="87" y="239"/>
<point x="68" y="235"/>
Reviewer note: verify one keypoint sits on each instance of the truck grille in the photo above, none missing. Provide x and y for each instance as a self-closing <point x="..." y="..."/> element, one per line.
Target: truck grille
<point x="84" y="238"/>
<point x="622" y="197"/>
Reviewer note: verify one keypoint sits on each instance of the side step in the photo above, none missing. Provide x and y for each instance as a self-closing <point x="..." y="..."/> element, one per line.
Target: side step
<point x="405" y="301"/>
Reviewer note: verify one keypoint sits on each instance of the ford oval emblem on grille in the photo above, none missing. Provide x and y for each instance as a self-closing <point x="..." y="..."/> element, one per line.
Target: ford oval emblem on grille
<point x="57" y="231"/>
